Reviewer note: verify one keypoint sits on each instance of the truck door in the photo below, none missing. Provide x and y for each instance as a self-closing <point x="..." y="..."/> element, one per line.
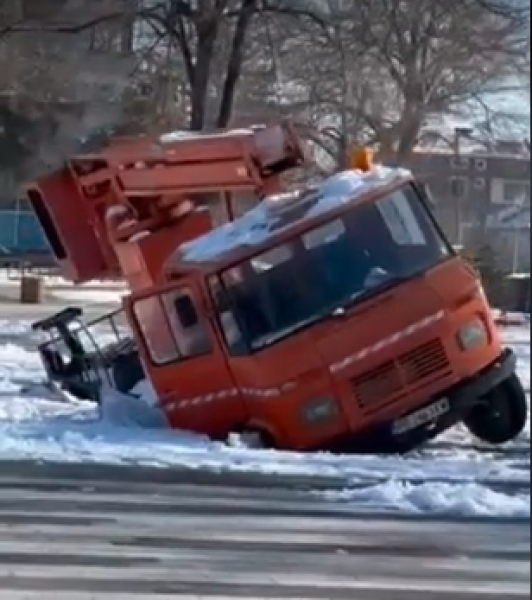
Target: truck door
<point x="184" y="359"/>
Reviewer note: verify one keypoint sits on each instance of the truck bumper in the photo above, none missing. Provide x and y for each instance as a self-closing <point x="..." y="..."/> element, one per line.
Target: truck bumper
<point x="461" y="398"/>
<point x="467" y="393"/>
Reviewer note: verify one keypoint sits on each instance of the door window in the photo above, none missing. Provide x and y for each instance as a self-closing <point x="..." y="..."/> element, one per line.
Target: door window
<point x="232" y="333"/>
<point x="153" y="324"/>
<point x="188" y="326"/>
<point x="172" y="327"/>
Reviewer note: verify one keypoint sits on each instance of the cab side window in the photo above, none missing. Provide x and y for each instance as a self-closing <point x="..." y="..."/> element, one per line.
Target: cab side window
<point x="153" y="324"/>
<point x="172" y="327"/>
<point x="228" y="323"/>
<point x="187" y="324"/>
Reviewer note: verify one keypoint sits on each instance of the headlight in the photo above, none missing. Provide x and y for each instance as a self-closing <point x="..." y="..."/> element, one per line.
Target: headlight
<point x="319" y="410"/>
<point x="472" y="335"/>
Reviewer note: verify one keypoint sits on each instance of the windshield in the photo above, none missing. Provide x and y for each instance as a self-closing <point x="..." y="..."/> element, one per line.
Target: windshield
<point x="326" y="269"/>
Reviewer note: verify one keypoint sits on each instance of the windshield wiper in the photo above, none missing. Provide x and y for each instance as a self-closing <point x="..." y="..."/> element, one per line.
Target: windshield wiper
<point x="387" y="284"/>
<point x="338" y="310"/>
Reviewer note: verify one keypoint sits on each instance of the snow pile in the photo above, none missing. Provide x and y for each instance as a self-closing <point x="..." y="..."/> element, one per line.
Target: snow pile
<point x="442" y="499"/>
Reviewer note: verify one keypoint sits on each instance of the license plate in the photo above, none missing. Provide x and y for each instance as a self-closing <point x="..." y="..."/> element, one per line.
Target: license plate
<point x="421" y="417"/>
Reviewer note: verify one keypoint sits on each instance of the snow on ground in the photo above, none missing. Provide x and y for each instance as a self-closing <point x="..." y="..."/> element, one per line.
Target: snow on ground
<point x="92" y="296"/>
<point x="12" y="277"/>
<point x="452" y="475"/>
<point x="93" y="292"/>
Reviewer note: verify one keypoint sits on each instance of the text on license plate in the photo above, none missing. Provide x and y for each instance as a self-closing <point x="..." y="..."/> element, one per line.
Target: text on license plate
<point x="421" y="417"/>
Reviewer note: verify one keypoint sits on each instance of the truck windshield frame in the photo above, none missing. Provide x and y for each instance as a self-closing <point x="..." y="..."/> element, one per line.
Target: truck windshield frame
<point x="347" y="259"/>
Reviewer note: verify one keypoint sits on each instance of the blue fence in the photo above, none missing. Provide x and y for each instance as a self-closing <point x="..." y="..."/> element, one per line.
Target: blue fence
<point x="20" y="231"/>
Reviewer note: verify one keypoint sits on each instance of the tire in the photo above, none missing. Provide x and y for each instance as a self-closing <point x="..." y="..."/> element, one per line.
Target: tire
<point x="254" y="438"/>
<point x="502" y="415"/>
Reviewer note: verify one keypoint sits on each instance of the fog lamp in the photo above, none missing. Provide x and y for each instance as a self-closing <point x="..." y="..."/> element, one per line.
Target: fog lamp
<point x="319" y="410"/>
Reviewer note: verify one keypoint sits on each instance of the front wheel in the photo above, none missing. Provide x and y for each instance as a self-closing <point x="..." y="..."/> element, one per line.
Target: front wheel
<point x="501" y="416"/>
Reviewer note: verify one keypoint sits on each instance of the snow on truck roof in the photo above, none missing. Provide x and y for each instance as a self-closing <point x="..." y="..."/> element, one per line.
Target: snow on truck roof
<point x="182" y="135"/>
<point x="279" y="212"/>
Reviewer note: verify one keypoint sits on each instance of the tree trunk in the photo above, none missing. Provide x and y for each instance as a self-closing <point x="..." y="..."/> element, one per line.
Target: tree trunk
<point x="234" y="66"/>
<point x="199" y="86"/>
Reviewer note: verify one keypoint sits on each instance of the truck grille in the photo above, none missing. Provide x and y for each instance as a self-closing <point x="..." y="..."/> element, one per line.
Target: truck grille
<point x="395" y="379"/>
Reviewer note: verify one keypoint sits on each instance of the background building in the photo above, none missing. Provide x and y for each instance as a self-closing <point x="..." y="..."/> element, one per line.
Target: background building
<point x="482" y="197"/>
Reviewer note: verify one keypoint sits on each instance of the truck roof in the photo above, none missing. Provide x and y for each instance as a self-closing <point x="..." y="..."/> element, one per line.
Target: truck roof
<point x="280" y="213"/>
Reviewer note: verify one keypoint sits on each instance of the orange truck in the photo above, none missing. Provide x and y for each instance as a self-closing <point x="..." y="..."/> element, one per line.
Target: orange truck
<point x="337" y="317"/>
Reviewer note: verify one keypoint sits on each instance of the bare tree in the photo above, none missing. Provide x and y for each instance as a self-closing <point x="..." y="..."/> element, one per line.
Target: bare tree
<point x="60" y="16"/>
<point x="193" y="30"/>
<point x="211" y="38"/>
<point x="43" y="86"/>
<point x="372" y="72"/>
<point x="383" y="67"/>
<point x="437" y="56"/>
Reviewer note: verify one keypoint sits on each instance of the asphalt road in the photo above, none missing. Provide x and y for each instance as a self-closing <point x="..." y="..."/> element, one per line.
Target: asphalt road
<point x="89" y="533"/>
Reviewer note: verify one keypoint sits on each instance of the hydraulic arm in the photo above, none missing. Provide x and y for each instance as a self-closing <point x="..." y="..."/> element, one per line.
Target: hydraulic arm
<point x="121" y="212"/>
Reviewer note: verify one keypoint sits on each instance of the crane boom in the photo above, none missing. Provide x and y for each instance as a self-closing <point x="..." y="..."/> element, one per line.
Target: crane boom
<point x="144" y="187"/>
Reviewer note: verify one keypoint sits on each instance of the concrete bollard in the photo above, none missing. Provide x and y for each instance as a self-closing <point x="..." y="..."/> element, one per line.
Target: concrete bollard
<point x="31" y="289"/>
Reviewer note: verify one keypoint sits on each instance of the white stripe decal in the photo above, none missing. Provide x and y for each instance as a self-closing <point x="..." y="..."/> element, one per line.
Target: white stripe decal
<point x="386" y="342"/>
<point x="264" y="393"/>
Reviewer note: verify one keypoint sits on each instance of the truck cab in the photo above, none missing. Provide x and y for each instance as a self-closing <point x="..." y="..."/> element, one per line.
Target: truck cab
<point x="337" y="317"/>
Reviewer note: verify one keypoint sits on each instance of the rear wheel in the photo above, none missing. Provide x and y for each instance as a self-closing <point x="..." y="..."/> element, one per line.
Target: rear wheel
<point x="501" y="416"/>
<point x="255" y="438"/>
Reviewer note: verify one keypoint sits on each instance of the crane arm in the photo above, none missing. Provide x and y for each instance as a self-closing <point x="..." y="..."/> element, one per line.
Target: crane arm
<point x="151" y="182"/>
